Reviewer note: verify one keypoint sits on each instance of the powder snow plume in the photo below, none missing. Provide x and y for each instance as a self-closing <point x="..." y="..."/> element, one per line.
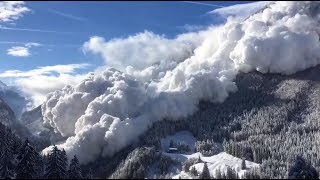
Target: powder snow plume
<point x="157" y="77"/>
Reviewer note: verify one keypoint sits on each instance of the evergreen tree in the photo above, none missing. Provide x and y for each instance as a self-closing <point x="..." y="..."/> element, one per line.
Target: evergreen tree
<point x="64" y="158"/>
<point x="56" y="165"/>
<point x="199" y="159"/>
<point x="302" y="170"/>
<point x="74" y="169"/>
<point x="89" y="174"/>
<point x="231" y="173"/>
<point x="193" y="171"/>
<point x="243" y="164"/>
<point x="7" y="159"/>
<point x="205" y="174"/>
<point x="26" y="168"/>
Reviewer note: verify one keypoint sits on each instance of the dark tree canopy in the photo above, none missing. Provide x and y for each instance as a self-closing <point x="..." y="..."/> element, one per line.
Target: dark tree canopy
<point x="302" y="170"/>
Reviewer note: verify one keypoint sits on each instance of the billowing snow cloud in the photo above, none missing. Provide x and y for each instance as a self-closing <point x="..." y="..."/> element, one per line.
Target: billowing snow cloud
<point x="141" y="50"/>
<point x="166" y="78"/>
<point x="12" y="10"/>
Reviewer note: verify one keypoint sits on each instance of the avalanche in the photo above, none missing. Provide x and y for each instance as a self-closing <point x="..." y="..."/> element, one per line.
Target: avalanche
<point x="161" y="78"/>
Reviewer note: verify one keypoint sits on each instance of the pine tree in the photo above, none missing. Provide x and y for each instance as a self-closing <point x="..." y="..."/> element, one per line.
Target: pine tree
<point x="205" y="174"/>
<point x="89" y="174"/>
<point x="56" y="165"/>
<point x="26" y="168"/>
<point x="231" y="173"/>
<point x="74" y="169"/>
<point x="243" y="164"/>
<point x="199" y="159"/>
<point x="7" y="158"/>
<point x="193" y="171"/>
<point x="64" y="158"/>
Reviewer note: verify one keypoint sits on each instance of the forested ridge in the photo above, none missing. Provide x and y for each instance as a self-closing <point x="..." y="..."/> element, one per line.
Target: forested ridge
<point x="272" y="120"/>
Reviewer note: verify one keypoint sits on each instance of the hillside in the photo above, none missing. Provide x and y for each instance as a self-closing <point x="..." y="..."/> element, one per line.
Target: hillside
<point x="270" y="120"/>
<point x="14" y="99"/>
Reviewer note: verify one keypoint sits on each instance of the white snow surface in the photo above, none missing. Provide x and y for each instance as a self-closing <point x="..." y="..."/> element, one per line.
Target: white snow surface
<point x="220" y="161"/>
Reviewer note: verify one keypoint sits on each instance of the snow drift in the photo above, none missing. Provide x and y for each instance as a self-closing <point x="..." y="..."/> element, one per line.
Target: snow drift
<point x="161" y="78"/>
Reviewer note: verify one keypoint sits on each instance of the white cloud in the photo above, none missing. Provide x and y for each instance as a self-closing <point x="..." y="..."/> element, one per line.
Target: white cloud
<point x="38" y="82"/>
<point x="19" y="51"/>
<point x="240" y="10"/>
<point x="12" y="10"/>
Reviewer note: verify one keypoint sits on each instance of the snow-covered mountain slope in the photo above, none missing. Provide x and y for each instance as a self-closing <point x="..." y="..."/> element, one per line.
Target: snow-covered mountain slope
<point x="14" y="99"/>
<point x="220" y="161"/>
<point x="8" y="118"/>
<point x="31" y="116"/>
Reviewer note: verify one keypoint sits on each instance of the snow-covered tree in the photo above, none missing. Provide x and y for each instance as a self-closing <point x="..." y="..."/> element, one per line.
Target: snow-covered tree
<point x="56" y="165"/>
<point x="74" y="171"/>
<point x="205" y="174"/>
<point x="193" y="171"/>
<point x="7" y="158"/>
<point x="243" y="164"/>
<point x="26" y="167"/>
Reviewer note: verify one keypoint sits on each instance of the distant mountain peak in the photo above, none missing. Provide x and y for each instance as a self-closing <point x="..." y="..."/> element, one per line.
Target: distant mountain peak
<point x="2" y="85"/>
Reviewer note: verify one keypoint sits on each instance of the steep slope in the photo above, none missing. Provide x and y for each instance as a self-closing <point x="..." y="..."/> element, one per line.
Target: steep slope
<point x="7" y="117"/>
<point x="270" y="120"/>
<point x="13" y="98"/>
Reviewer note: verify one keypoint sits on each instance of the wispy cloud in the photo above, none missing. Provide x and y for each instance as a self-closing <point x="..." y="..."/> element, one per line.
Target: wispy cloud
<point x="69" y="16"/>
<point x="240" y="10"/>
<point x="12" y="10"/>
<point x="19" y="51"/>
<point x="45" y="70"/>
<point x="31" y="30"/>
<point x="22" y="51"/>
<point x="204" y="4"/>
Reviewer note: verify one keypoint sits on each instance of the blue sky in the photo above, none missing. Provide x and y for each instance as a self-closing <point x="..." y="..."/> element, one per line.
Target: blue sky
<point x="105" y="19"/>
<point x="43" y="34"/>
